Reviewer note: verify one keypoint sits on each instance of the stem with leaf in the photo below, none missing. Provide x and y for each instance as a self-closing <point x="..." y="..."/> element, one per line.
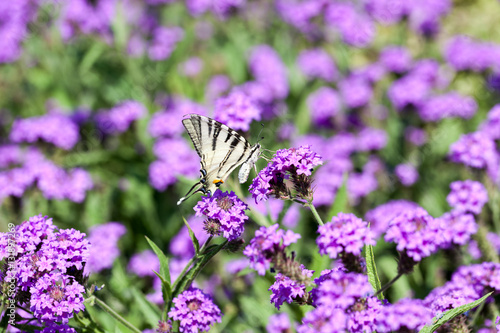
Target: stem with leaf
<point x="113" y="313"/>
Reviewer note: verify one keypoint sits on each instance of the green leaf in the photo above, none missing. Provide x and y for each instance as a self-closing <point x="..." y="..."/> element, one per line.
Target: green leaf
<point x="196" y="243"/>
<point x="166" y="288"/>
<point x="450" y="314"/>
<point x="164" y="269"/>
<point x="371" y="269"/>
<point x="341" y="200"/>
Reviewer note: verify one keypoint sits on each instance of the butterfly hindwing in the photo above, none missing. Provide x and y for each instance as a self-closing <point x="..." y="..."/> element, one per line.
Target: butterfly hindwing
<point x="221" y="150"/>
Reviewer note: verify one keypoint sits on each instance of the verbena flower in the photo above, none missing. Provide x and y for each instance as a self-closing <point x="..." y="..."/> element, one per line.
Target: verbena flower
<point x="415" y="232"/>
<point x="380" y="217"/>
<point x="288" y="290"/>
<point x="323" y="320"/>
<point x="324" y="104"/>
<point x="317" y="63"/>
<point x="195" y="310"/>
<point x="268" y="70"/>
<point x="363" y="315"/>
<point x="294" y="164"/>
<point x="475" y="150"/>
<point x="81" y="16"/>
<point x="405" y="315"/>
<point x="266" y="244"/>
<point x="457" y="227"/>
<point x="164" y="41"/>
<point x="346" y="233"/>
<point x="483" y="277"/>
<point x="54" y="298"/>
<point x="14" y="18"/>
<point x="491" y="126"/>
<point x="371" y="139"/>
<point x="406" y="173"/>
<point x="416" y="136"/>
<point x="355" y="27"/>
<point x="236" y="110"/>
<point x="465" y="53"/>
<point x="217" y="86"/>
<point x="450" y="296"/>
<point x="119" y="118"/>
<point x="467" y="196"/>
<point x="359" y="185"/>
<point x="54" y="128"/>
<point x="424" y="16"/>
<point x="386" y="11"/>
<point x="191" y="67"/>
<point x="278" y="323"/>
<point x="225" y="214"/>
<point x="409" y="91"/>
<point x="396" y="59"/>
<point x="356" y="91"/>
<point x="104" y="246"/>
<point x="144" y="264"/>
<point x="448" y="105"/>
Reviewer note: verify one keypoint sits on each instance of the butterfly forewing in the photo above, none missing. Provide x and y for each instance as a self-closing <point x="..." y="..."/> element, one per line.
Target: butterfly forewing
<point x="221" y="150"/>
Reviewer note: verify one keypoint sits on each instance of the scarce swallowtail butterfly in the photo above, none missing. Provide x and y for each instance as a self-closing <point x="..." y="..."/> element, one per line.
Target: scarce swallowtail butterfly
<point x="221" y="150"/>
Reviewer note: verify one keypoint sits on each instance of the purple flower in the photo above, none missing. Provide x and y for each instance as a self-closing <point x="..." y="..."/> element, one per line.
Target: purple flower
<point x="15" y="182"/>
<point x="415" y="232"/>
<point x="266" y="244"/>
<point x="323" y="320"/>
<point x="287" y="290"/>
<point x="324" y="104"/>
<point x="396" y="59"/>
<point x="14" y="19"/>
<point x="406" y="173"/>
<point x="328" y="179"/>
<point x="316" y="63"/>
<point x="424" y="15"/>
<point x="346" y="233"/>
<point x="483" y="277"/>
<point x="475" y="150"/>
<point x="118" y="119"/>
<point x="268" y="70"/>
<point x="356" y="91"/>
<point x="192" y="66"/>
<point x="104" y="246"/>
<point x="300" y="14"/>
<point x="278" y="323"/>
<point x="55" y="128"/>
<point x="82" y="16"/>
<point x="225" y="214"/>
<point x="175" y="158"/>
<point x="10" y="154"/>
<point x="55" y="297"/>
<point x="144" y="264"/>
<point x="380" y="217"/>
<point x="236" y="110"/>
<point x="416" y="136"/>
<point x="363" y="315"/>
<point x="457" y="228"/>
<point x="491" y="126"/>
<point x="294" y="163"/>
<point x="371" y="139"/>
<point x="386" y="11"/>
<point x="464" y="53"/>
<point x="450" y="296"/>
<point x="467" y="196"/>
<point x="448" y="105"/>
<point x="405" y="315"/>
<point x="218" y="85"/>
<point x="426" y="69"/>
<point x="356" y="28"/>
<point x="164" y="41"/>
<point x="338" y="289"/>
<point x="410" y="90"/>
<point x="195" y="310"/>
<point x="359" y="185"/>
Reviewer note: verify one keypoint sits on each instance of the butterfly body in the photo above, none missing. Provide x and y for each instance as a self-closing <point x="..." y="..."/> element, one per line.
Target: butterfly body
<point x="221" y="150"/>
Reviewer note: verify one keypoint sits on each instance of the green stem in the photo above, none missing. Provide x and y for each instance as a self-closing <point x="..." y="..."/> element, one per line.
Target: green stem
<point x="190" y="262"/>
<point x="315" y="213"/>
<point x="115" y="315"/>
<point x="388" y="284"/>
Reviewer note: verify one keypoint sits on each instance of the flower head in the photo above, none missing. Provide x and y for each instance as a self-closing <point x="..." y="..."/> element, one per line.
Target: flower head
<point x="295" y="164"/>
<point x="406" y="173"/>
<point x="346" y="233"/>
<point x="450" y="296"/>
<point x="225" y="214"/>
<point x="324" y="104"/>
<point x="415" y="232"/>
<point x="405" y="315"/>
<point x="396" y="59"/>
<point x="195" y="310"/>
<point x="267" y="243"/>
<point x="236" y="110"/>
<point x="475" y="150"/>
<point x="268" y="70"/>
<point x="380" y="217"/>
<point x="316" y="63"/>
<point x="118" y="119"/>
<point x="144" y="264"/>
<point x="278" y="323"/>
<point x="467" y="196"/>
<point x="104" y="246"/>
<point x="457" y="227"/>
<point x="448" y="105"/>
<point x="286" y="289"/>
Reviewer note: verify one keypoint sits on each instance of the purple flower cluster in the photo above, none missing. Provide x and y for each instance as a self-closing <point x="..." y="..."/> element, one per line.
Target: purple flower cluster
<point x="266" y="244"/>
<point x="450" y="296"/>
<point x="406" y="173"/>
<point x="457" y="228"/>
<point x="467" y="196"/>
<point x="491" y="126"/>
<point x="416" y="136"/>
<point x="104" y="246"/>
<point x="278" y="323"/>
<point x="483" y="277"/>
<point x="464" y="53"/>
<point x="225" y="214"/>
<point x="163" y="42"/>
<point x="324" y="104"/>
<point x="195" y="311"/>
<point x="324" y="320"/>
<point x="237" y="110"/>
<point x="317" y="63"/>
<point x="380" y="217"/>
<point x="57" y="129"/>
<point x="286" y="163"/>
<point x="356" y="91"/>
<point x="409" y="91"/>
<point x="475" y="150"/>
<point x="415" y="232"/>
<point x="269" y="71"/>
<point x="407" y="315"/>
<point x="118" y="119"/>
<point x="81" y="16"/>
<point x="14" y="18"/>
<point x="448" y="105"/>
<point x="287" y="290"/>
<point x="50" y="262"/>
<point x="371" y="139"/>
<point x="346" y="233"/>
<point x="396" y="59"/>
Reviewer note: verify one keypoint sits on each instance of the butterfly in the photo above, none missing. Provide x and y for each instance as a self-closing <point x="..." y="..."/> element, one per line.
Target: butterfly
<point x="221" y="150"/>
